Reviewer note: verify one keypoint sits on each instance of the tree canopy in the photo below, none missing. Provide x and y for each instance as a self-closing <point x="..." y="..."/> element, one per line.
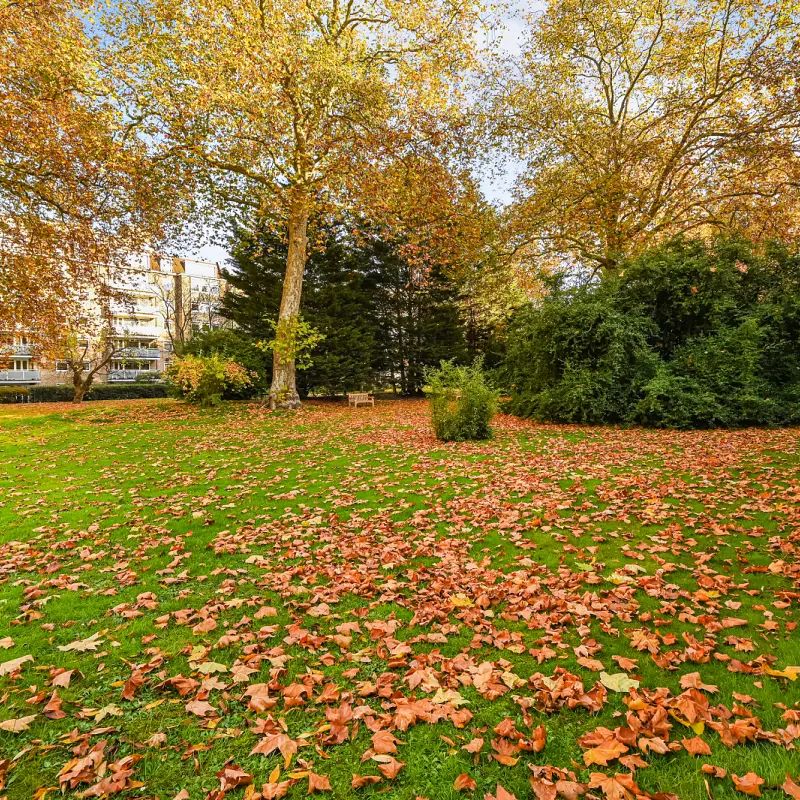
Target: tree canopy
<point x="77" y="188"/>
<point x="641" y="119"/>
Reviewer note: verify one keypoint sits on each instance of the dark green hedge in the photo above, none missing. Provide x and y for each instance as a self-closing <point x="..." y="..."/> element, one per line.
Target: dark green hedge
<point x="100" y="391"/>
<point x="127" y="391"/>
<point x="688" y="335"/>
<point x="13" y="394"/>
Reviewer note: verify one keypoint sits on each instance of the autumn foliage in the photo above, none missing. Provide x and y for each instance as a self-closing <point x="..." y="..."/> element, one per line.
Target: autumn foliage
<point x="206" y="379"/>
<point x="77" y="189"/>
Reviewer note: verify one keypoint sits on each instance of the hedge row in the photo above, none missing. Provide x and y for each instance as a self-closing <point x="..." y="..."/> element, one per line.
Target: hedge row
<point x="100" y="391"/>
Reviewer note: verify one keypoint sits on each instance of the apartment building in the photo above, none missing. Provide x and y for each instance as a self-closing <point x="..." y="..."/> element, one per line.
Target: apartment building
<point x="160" y="301"/>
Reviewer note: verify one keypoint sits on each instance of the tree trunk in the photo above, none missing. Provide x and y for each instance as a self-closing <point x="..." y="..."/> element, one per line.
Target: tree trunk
<point x="81" y="385"/>
<point x="79" y="389"/>
<point x="283" y="392"/>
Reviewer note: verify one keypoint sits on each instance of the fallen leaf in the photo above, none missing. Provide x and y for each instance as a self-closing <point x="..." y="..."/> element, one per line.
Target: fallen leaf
<point x="464" y="783"/>
<point x="17" y="725"/>
<point x="318" y="783"/>
<point x="748" y="784"/>
<point x="618" y="682"/>
<point x="82" y="645"/>
<point x="7" y="667"/>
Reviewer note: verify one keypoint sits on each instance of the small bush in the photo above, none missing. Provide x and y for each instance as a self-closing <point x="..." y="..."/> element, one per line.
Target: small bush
<point x="234" y="345"/>
<point x="204" y="379"/>
<point x="462" y="403"/>
<point x="149" y="377"/>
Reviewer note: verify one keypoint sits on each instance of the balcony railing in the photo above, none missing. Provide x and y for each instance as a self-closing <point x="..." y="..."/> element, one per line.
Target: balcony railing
<point x="119" y="375"/>
<point x="16" y="349"/>
<point x="147" y="353"/>
<point x="20" y="376"/>
<point x="136" y="330"/>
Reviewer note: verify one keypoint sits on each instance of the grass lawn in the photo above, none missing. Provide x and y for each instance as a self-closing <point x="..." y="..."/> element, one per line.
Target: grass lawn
<point x="244" y="604"/>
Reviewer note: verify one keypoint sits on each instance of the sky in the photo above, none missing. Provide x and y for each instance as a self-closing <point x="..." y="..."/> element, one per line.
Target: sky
<point x="496" y="188"/>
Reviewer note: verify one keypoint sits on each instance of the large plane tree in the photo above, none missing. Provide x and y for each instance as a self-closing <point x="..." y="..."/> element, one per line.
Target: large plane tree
<point x="287" y="109"/>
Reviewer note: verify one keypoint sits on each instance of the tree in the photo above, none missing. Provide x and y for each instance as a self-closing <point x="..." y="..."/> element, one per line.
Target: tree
<point x="384" y="317"/>
<point x="86" y="344"/>
<point x="77" y="190"/>
<point x="287" y="109"/>
<point x="175" y="305"/>
<point x="421" y="321"/>
<point x="641" y="119"/>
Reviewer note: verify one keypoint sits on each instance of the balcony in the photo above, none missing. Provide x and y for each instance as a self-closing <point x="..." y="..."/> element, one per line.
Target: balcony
<point x="145" y="353"/>
<point x="137" y="330"/>
<point x="18" y="350"/>
<point x="123" y="375"/>
<point x="19" y="376"/>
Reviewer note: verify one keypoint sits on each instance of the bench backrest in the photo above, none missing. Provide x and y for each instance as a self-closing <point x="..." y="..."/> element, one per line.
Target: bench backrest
<point x="358" y="395"/>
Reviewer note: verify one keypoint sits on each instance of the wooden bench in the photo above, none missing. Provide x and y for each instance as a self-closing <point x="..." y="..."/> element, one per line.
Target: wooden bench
<point x="360" y="398"/>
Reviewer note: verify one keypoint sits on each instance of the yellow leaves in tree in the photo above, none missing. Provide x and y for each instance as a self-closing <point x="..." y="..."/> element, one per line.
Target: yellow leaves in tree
<point x="297" y="109"/>
<point x="77" y="189"/>
<point x="643" y="119"/>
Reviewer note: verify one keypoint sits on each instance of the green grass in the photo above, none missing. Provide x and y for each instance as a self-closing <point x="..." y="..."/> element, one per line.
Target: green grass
<point x="137" y="521"/>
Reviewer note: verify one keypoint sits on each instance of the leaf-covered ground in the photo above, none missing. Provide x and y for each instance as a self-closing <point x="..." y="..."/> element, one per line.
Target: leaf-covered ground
<point x="243" y="604"/>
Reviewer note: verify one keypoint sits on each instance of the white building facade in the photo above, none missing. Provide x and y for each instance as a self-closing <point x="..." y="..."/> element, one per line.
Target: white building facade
<point x="159" y="303"/>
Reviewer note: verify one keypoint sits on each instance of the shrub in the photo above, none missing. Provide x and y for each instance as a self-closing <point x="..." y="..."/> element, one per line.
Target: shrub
<point x="462" y="403"/>
<point x="149" y="377"/>
<point x="687" y="335"/>
<point x="578" y="358"/>
<point x="675" y="401"/>
<point x="234" y="345"/>
<point x="63" y="393"/>
<point x="13" y="394"/>
<point x="127" y="391"/>
<point x="204" y="379"/>
<point x="52" y="394"/>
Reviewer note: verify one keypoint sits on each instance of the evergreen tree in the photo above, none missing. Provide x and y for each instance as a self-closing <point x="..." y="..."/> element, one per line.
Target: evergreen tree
<point x="383" y="319"/>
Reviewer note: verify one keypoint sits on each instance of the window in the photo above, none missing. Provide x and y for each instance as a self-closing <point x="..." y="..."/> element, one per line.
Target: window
<point x="63" y="366"/>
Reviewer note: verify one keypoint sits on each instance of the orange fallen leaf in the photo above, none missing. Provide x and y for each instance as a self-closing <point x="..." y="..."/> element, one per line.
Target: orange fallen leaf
<point x="318" y="783"/>
<point x="464" y="783"/>
<point x="696" y="746"/>
<point x="748" y="784"/>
